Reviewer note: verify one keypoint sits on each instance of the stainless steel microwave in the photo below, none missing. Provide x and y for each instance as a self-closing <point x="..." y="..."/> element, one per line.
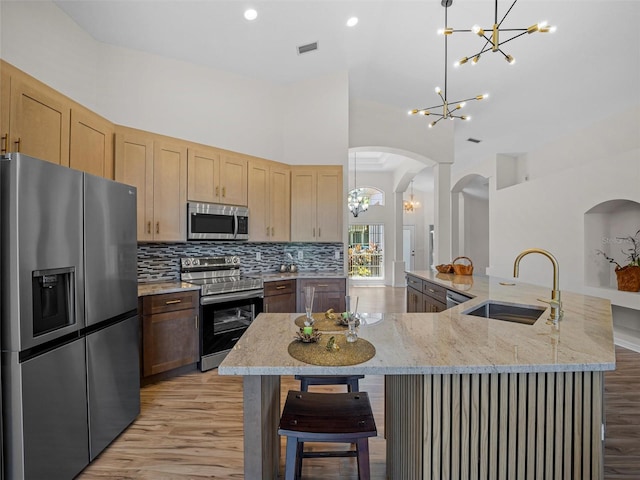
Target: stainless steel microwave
<point x="210" y="221"/>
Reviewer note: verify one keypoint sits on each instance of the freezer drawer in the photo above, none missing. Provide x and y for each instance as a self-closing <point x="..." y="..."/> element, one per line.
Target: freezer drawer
<point x="113" y="374"/>
<point x="53" y="441"/>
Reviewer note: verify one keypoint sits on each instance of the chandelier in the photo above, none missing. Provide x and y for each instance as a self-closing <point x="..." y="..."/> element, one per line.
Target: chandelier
<point x="448" y="108"/>
<point x="357" y="200"/>
<point x="494" y="43"/>
<point x="410" y="205"/>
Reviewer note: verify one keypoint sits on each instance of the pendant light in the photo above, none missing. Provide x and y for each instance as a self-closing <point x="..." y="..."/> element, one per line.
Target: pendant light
<point x="410" y="205"/>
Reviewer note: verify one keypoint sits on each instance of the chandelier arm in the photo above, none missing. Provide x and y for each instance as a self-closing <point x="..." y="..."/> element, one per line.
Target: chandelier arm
<point x="430" y="108"/>
<point x="512" y="38"/>
<point x="466" y="100"/>
<point x="505" y="15"/>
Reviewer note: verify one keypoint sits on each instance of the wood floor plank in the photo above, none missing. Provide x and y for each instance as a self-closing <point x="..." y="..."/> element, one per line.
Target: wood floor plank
<point x="190" y="427"/>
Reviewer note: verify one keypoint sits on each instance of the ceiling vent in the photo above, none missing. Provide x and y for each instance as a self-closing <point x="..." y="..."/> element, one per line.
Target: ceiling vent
<point x="309" y="47"/>
<point x="473" y="140"/>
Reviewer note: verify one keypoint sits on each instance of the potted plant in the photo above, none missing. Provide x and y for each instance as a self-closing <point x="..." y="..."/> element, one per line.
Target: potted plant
<point x="629" y="275"/>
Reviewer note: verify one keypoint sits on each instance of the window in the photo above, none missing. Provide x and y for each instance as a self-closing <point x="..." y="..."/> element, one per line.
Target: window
<point x="366" y="244"/>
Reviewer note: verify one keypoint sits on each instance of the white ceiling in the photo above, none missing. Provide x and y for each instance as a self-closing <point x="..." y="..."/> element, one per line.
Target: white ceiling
<point x="587" y="70"/>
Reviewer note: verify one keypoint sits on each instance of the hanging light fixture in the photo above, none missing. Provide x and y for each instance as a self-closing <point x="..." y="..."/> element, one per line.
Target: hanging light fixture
<point x="449" y="109"/>
<point x="493" y="43"/>
<point x="410" y="205"/>
<point x="357" y="200"/>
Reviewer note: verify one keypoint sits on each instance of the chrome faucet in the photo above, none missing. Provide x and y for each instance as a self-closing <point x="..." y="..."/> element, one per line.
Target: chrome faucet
<point x="556" y="304"/>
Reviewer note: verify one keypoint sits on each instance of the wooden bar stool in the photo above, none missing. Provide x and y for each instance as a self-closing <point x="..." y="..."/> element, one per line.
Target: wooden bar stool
<point x="327" y="417"/>
<point x="351" y="381"/>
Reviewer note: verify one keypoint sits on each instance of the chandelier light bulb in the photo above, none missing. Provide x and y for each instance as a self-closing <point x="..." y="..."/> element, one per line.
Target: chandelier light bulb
<point x="438" y="90"/>
<point x="475" y="59"/>
<point x="352" y="22"/>
<point x="250" y="14"/>
<point x="477" y="30"/>
<point x="462" y="105"/>
<point x="510" y="60"/>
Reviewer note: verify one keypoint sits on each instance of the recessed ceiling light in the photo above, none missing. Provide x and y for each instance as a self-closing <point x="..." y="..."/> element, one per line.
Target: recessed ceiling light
<point x="352" y="22"/>
<point x="250" y="14"/>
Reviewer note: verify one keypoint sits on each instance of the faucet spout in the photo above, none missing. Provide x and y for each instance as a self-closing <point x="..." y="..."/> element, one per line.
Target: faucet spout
<point x="556" y="304"/>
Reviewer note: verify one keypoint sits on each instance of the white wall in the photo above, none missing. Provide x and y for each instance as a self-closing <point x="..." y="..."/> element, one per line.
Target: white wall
<point x="421" y="217"/>
<point x="304" y="123"/>
<point x="374" y="124"/>
<point x="548" y="210"/>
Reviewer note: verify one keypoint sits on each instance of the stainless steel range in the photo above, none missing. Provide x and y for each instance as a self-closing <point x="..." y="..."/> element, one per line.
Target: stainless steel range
<point x="229" y="302"/>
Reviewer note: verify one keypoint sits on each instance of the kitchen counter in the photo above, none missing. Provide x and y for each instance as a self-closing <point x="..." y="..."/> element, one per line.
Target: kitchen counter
<point x="275" y="276"/>
<point x="460" y="362"/>
<point x="164" y="287"/>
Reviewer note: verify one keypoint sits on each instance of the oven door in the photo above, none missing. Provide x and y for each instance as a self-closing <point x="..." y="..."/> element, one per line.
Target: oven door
<point x="224" y="318"/>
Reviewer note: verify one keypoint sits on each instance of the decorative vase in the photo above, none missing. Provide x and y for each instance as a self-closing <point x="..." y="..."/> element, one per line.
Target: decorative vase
<point x="628" y="278"/>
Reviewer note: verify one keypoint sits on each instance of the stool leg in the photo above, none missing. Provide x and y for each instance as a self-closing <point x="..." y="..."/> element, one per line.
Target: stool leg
<point x="290" y="464"/>
<point x="299" y="457"/>
<point x="364" y="470"/>
<point x="304" y="384"/>
<point x="352" y="385"/>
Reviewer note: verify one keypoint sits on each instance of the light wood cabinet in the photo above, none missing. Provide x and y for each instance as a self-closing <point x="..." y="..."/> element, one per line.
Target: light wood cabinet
<point x="5" y="102"/>
<point x="38" y="121"/>
<point x="269" y="201"/>
<point x="316" y="204"/>
<point x="170" y="331"/>
<point x="91" y="143"/>
<point x="215" y="176"/>
<point x="158" y="169"/>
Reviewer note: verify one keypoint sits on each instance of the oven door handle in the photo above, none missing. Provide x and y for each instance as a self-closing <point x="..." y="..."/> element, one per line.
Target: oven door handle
<point x="226" y="297"/>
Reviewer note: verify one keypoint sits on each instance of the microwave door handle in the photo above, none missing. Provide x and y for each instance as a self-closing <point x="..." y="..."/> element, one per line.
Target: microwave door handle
<point x="235" y="226"/>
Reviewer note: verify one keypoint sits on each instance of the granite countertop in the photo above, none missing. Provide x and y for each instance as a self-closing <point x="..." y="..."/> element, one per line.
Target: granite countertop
<point x="449" y="341"/>
<point x="271" y="277"/>
<point x="158" y="288"/>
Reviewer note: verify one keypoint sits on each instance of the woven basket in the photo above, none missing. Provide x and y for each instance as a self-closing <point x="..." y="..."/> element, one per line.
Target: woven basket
<point x="460" y="268"/>
<point x="628" y="278"/>
<point x="445" y="268"/>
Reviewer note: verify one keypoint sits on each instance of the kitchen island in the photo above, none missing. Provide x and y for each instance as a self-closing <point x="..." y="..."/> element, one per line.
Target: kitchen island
<point x="465" y="396"/>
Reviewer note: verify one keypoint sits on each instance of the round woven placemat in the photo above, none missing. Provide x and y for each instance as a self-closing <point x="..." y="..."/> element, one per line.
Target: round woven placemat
<point x="317" y="354"/>
<point x="321" y="322"/>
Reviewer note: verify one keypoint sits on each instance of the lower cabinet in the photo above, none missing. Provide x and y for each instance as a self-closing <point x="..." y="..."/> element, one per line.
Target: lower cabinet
<point x="280" y="296"/>
<point x="424" y="296"/>
<point x="329" y="293"/>
<point x="170" y="335"/>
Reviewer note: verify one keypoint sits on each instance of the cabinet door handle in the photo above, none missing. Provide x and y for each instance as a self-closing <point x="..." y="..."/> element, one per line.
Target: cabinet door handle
<point x="196" y="317"/>
<point x="157" y="227"/>
<point x="319" y="232"/>
<point x="431" y="290"/>
<point x="5" y="143"/>
<point x="281" y="287"/>
<point x="224" y="192"/>
<point x="17" y="142"/>
<point x="314" y="232"/>
<point x="266" y="308"/>
<point x="217" y="191"/>
<point x="172" y="302"/>
<point x="149" y="227"/>
<point x="267" y="231"/>
<point x="273" y="231"/>
<point x="323" y="285"/>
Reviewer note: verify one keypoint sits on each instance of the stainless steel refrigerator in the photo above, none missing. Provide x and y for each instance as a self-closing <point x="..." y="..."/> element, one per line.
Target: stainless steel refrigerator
<point x="69" y="326"/>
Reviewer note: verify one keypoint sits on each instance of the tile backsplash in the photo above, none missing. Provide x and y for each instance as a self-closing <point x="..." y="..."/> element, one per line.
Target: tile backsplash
<point x="158" y="262"/>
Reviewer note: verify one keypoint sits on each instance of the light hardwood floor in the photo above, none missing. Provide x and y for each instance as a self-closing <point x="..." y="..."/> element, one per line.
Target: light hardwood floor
<point x="190" y="427"/>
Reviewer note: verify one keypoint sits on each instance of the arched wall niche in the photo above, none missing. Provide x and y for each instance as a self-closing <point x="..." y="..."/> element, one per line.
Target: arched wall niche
<point x="470" y="220"/>
<point x="605" y="225"/>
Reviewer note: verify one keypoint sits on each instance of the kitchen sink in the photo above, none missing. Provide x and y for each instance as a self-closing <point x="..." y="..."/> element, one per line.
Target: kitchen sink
<point x="508" y="312"/>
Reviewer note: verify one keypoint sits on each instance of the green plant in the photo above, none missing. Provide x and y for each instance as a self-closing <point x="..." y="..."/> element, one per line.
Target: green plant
<point x="632" y="253"/>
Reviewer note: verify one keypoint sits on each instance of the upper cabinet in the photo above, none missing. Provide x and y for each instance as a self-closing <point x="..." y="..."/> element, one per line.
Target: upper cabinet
<point x="91" y="144"/>
<point x="39" y="121"/>
<point x="157" y="167"/>
<point x="269" y="200"/>
<point x="42" y="123"/>
<point x="216" y="176"/>
<point x="316" y="204"/>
